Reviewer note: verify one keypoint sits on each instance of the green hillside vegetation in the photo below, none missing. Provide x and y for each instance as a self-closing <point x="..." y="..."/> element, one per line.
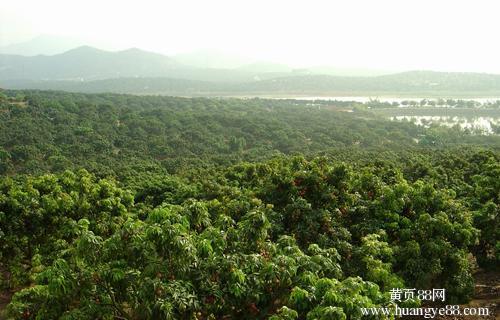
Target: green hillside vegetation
<point x="149" y="207"/>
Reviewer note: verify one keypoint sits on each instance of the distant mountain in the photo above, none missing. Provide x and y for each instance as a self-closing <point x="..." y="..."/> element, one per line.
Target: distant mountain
<point x="136" y="71"/>
<point x="86" y="63"/>
<point x="414" y="83"/>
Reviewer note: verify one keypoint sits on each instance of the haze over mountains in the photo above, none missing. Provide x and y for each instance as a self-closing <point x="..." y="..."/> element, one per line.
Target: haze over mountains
<point x="88" y="69"/>
<point x="42" y="45"/>
<point x="89" y="63"/>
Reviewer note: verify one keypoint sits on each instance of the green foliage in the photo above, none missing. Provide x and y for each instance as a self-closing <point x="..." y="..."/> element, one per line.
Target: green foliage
<point x="125" y="136"/>
<point x="291" y="237"/>
<point x="38" y="216"/>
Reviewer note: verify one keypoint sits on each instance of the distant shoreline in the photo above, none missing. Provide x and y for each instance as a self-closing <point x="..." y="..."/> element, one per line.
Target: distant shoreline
<point x="415" y="96"/>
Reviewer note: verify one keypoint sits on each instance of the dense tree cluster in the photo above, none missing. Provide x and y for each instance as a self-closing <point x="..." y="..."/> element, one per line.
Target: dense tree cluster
<point x="363" y="210"/>
<point x="122" y="134"/>
<point x="288" y="237"/>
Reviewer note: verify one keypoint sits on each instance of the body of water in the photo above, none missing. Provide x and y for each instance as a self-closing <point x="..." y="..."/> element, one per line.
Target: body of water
<point x="364" y="99"/>
<point x="482" y="125"/>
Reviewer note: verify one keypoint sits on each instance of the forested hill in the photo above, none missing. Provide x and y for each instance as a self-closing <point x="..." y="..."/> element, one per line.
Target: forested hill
<point x="406" y="82"/>
<point x="227" y="82"/>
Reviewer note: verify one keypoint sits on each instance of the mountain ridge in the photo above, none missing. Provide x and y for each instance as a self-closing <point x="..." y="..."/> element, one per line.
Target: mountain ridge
<point x="85" y="62"/>
<point x="89" y="69"/>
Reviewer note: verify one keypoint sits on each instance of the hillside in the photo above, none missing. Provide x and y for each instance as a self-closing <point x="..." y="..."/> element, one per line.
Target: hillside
<point x="233" y="83"/>
<point x="406" y="82"/>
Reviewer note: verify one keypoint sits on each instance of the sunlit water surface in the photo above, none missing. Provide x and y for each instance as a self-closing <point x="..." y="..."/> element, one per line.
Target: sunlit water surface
<point x="481" y="125"/>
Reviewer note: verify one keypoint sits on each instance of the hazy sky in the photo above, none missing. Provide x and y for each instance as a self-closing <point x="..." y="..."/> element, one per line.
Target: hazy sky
<point x="450" y="35"/>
